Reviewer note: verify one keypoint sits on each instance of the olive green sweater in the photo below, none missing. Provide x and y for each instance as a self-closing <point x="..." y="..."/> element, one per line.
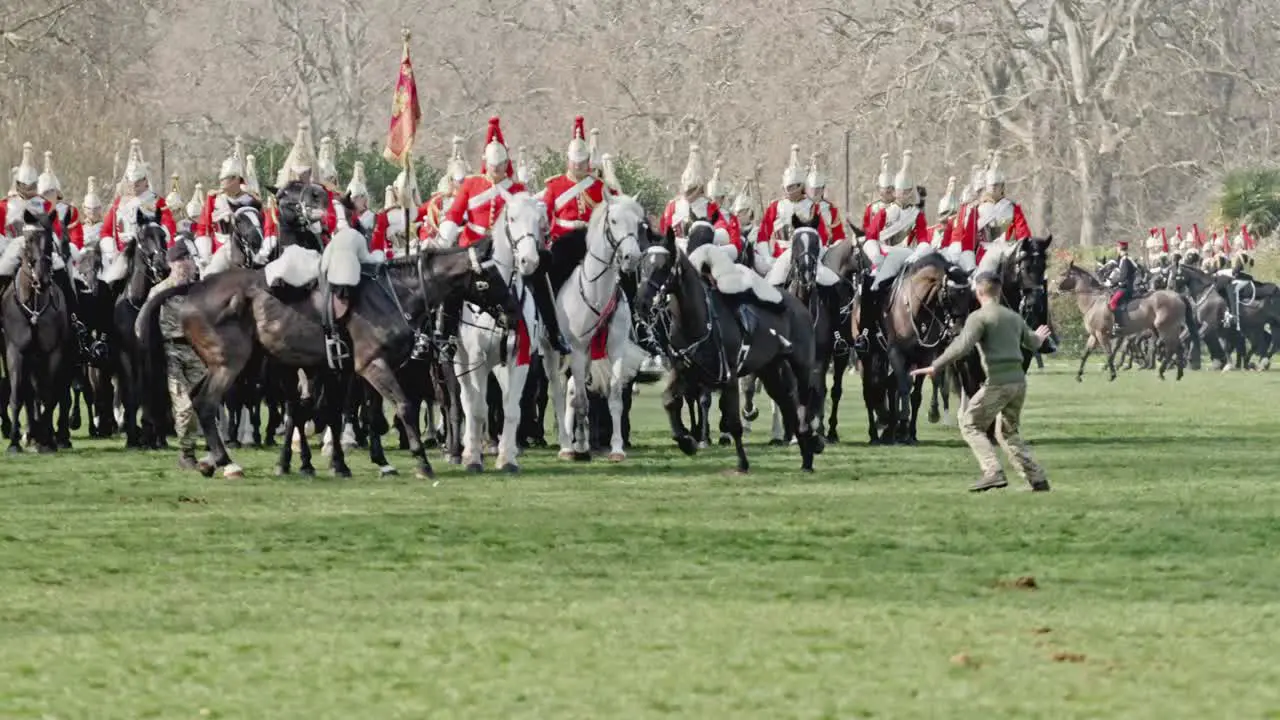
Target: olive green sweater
<point x="1000" y="334"/>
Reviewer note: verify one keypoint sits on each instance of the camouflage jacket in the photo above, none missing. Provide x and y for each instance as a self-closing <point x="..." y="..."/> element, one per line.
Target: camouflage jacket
<point x="170" y="312"/>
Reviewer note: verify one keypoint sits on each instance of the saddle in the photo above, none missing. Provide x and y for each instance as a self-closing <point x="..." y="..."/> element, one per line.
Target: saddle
<point x="297" y="267"/>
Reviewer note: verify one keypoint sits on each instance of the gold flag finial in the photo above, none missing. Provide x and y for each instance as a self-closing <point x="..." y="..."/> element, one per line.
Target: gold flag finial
<point x="405" y="34"/>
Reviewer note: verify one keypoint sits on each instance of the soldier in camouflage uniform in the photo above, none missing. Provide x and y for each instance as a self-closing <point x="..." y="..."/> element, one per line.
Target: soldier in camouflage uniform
<point x="185" y="368"/>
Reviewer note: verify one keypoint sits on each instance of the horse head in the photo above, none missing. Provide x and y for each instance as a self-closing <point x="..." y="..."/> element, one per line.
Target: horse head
<point x="619" y="227"/>
<point x="1072" y="278"/>
<point x="486" y="283"/>
<point x="521" y="233"/>
<point x="151" y="245"/>
<point x="658" y="268"/>
<point x="806" y="246"/>
<point x="302" y="206"/>
<point x="246" y="232"/>
<point x="37" y="249"/>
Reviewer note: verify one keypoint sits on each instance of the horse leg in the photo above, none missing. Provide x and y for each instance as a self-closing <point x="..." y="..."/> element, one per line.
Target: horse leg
<point x="472" y="392"/>
<point x="373" y="408"/>
<point x="17" y="398"/>
<point x="917" y="395"/>
<point x="704" y="420"/>
<point x="556" y="390"/>
<point x="1084" y="356"/>
<point x="730" y="415"/>
<point x="673" y="401"/>
<point x="579" y="408"/>
<point x="207" y="400"/>
<point x="841" y="365"/>
<point x="382" y="379"/>
<point x="901" y="401"/>
<point x="127" y="395"/>
<point x="512" y="397"/>
<point x="1111" y="347"/>
<point x="617" y="410"/>
<point x="747" y="386"/>
<point x="870" y="398"/>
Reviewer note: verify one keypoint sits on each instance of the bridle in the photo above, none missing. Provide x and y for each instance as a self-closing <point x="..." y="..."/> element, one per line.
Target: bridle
<point x="32" y="307"/>
<point x="612" y="263"/>
<point x="241" y="240"/>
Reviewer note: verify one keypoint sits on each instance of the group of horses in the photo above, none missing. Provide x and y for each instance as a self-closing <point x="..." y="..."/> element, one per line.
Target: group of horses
<point x="314" y="352"/>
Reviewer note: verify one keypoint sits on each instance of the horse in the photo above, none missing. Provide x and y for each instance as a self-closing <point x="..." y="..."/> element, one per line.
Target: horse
<point x="925" y="308"/>
<point x="1258" y="306"/>
<point x="302" y="210"/>
<point x="1162" y="311"/>
<point x="1023" y="271"/>
<point x="1210" y="309"/>
<point x="696" y="328"/>
<point x="517" y="235"/>
<point x="802" y="282"/>
<point x="845" y="259"/>
<point x="595" y="319"/>
<point x="230" y="316"/>
<point x="244" y="398"/>
<point x="95" y="304"/>
<point x="146" y="265"/>
<point x="37" y="332"/>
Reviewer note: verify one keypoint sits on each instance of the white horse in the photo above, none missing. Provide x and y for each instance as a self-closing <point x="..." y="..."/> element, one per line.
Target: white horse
<point x="589" y="299"/>
<point x="517" y="234"/>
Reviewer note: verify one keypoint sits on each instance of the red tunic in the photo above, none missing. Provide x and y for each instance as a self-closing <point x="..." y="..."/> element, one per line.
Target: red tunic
<point x="770" y="219"/>
<point x="430" y="215"/>
<point x="478" y="203"/>
<point x="669" y="213"/>
<point x="734" y="226"/>
<point x="109" y="222"/>
<point x="832" y="219"/>
<point x="570" y="202"/>
<point x="75" y="233"/>
<point x="873" y="219"/>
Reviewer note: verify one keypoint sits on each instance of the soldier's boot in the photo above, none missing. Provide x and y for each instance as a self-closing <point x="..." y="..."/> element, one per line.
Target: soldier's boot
<point x="540" y="284"/>
<point x="447" y="323"/>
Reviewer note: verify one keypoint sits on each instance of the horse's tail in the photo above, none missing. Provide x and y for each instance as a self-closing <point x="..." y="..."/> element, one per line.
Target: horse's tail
<point x="154" y="382"/>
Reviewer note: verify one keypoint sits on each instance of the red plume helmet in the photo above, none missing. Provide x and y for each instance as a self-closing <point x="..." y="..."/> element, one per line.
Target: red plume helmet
<point x="1226" y="239"/>
<point x="495" y="147"/>
<point x="579" y="131"/>
<point x="1248" y="239"/>
<point x="1164" y="241"/>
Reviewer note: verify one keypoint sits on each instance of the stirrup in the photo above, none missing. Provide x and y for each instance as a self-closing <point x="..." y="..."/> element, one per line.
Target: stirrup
<point x="336" y="352"/>
<point x="421" y="346"/>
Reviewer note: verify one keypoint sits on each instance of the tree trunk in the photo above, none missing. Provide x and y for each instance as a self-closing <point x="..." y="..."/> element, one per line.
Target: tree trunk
<point x="1095" y="176"/>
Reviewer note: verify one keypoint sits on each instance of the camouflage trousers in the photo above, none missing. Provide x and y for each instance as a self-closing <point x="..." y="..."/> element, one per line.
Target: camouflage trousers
<point x="1002" y="403"/>
<point x="185" y="371"/>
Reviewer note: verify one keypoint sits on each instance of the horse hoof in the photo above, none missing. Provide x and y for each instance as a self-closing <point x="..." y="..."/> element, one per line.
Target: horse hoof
<point x="777" y="442"/>
<point x="206" y="469"/>
<point x="455" y="460"/>
<point x="751" y="415"/>
<point x="833" y="437"/>
<point x="233" y="445"/>
<point x="475" y="468"/>
<point x="15" y="450"/>
<point x="425" y="473"/>
<point x="617" y="457"/>
<point x="736" y="472"/>
<point x="233" y="472"/>
<point x="582" y="456"/>
<point x="807" y="470"/>
<point x="307" y="471"/>
<point x="565" y="455"/>
<point x="818" y="445"/>
<point x="387" y="471"/>
<point x="281" y="471"/>
<point x="934" y="416"/>
<point x="404" y="445"/>
<point x="45" y="449"/>
<point x="342" y="472"/>
<point x="703" y="444"/>
<point x="725" y="440"/>
<point x="64" y="444"/>
<point x="1079" y="378"/>
<point x="511" y="469"/>
<point x="75" y="423"/>
<point x="687" y="445"/>
<point x="875" y="441"/>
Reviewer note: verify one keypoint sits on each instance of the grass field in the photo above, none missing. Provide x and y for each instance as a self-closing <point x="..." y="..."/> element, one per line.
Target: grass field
<point x="875" y="588"/>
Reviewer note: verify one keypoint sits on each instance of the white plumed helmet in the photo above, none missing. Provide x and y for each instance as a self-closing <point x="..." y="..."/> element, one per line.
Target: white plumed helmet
<point x="359" y="185"/>
<point x="495" y="147"/>
<point x="610" y="172"/>
<point x="578" y="149"/>
<point x="327" y="162"/>
<point x="136" y="169"/>
<point x="903" y="180"/>
<point x="48" y="181"/>
<point x="302" y="156"/>
<point x="995" y="174"/>
<point x="815" y="179"/>
<point x="593" y="148"/>
<point x="717" y="188"/>
<point x="793" y="174"/>
<point x="694" y="175"/>
<point x="26" y="172"/>
<point x="947" y="205"/>
<point x="251" y="175"/>
<point x="233" y="167"/>
<point x="91" y="199"/>
<point x="884" y="180"/>
<point x="195" y="205"/>
<point x="174" y="198"/>
<point x="389" y="197"/>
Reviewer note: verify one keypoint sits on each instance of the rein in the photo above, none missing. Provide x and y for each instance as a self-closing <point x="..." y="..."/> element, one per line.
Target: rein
<point x="664" y="319"/>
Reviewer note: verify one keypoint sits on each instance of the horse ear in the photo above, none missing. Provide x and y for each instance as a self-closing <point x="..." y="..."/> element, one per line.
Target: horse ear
<point x="272" y="190"/>
<point x="484" y="248"/>
<point x="669" y="242"/>
<point x="1048" y="240"/>
<point x="29" y="217"/>
<point x="140" y="217"/>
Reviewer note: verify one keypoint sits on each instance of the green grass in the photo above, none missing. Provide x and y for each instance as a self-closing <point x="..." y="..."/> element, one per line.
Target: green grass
<point x="662" y="588"/>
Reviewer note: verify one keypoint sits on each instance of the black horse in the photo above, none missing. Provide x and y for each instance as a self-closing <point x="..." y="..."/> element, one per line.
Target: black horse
<point x="697" y="328"/>
<point x="147" y="266"/>
<point x="37" y="332"/>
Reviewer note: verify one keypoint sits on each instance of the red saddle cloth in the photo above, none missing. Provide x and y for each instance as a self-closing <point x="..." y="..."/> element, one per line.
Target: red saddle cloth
<point x="600" y="340"/>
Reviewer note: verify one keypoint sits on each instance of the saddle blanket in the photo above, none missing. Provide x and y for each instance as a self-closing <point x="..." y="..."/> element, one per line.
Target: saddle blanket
<point x="782" y="265"/>
<point x="297" y="267"/>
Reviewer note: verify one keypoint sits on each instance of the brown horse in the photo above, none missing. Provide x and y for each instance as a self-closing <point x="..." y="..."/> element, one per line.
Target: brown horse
<point x="1162" y="312"/>
<point x="231" y="316"/>
<point x="923" y="313"/>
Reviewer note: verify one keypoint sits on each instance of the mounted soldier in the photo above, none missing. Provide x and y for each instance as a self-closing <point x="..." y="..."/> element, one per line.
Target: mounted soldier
<point x="213" y="230"/>
<point x="270" y="233"/>
<point x="781" y="217"/>
<point x="365" y="218"/>
<point x="998" y="216"/>
<point x="23" y="191"/>
<point x="525" y="172"/>
<point x="1240" y="272"/>
<point x="432" y="212"/>
<point x="940" y="233"/>
<point x="741" y="225"/>
<point x="68" y="234"/>
<point x="91" y="220"/>
<point x="1126" y="275"/>
<point x="391" y="236"/>
<point x="692" y="204"/>
<point x="717" y="188"/>
<point x="816" y="188"/>
<point x="135" y="195"/>
<point x="873" y="216"/>
<point x="471" y="214"/>
<point x="570" y="200"/>
<point x="904" y="226"/>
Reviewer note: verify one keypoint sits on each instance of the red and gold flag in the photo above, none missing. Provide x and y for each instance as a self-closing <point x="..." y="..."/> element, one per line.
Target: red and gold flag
<point x="405" y="112"/>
